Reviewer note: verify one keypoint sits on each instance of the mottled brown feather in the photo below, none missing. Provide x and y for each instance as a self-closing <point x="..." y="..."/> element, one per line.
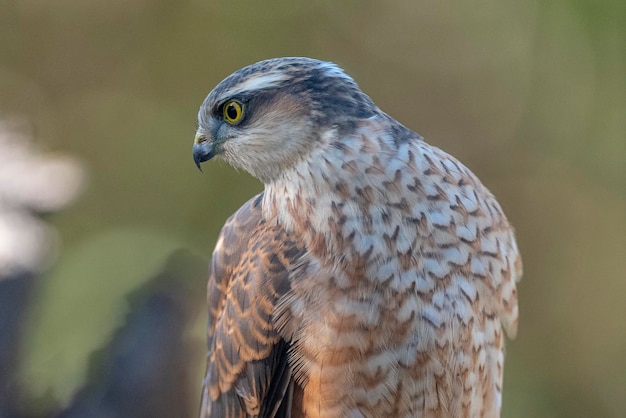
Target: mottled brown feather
<point x="247" y="374"/>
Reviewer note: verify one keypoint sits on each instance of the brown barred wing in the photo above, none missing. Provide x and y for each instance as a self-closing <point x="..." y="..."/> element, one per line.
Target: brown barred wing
<point x="247" y="373"/>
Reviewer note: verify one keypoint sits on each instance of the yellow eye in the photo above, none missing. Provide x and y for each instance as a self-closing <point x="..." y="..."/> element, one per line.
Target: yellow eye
<point x="233" y="111"/>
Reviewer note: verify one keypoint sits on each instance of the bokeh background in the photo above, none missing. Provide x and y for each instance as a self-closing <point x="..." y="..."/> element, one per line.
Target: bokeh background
<point x="530" y="95"/>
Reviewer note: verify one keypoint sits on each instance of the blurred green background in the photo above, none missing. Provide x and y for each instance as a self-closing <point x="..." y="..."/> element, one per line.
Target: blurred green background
<point x="530" y="95"/>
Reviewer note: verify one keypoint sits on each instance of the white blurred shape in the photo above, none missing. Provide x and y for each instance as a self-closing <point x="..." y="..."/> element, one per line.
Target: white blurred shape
<point x="31" y="182"/>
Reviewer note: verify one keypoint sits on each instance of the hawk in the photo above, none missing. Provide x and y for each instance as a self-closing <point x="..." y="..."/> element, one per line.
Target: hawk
<point x="374" y="274"/>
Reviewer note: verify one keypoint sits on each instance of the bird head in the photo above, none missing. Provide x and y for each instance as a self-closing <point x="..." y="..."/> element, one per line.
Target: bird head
<point x="267" y="117"/>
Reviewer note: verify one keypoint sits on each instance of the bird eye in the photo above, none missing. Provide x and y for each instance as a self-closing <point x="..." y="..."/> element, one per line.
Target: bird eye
<point x="233" y="111"/>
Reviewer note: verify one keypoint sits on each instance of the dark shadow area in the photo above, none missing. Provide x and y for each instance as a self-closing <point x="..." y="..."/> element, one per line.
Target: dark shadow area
<point x="15" y="292"/>
<point x="144" y="371"/>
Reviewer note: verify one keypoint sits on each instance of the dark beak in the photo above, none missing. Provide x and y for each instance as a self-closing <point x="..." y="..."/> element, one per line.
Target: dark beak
<point x="203" y="151"/>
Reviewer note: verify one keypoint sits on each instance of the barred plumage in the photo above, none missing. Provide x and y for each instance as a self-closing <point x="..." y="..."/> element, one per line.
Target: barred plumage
<point x="373" y="275"/>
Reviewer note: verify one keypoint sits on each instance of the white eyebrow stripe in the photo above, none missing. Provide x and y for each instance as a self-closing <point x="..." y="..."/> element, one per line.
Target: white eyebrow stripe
<point x="258" y="82"/>
<point x="333" y="70"/>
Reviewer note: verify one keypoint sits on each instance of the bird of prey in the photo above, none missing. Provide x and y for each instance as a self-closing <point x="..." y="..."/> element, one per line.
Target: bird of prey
<point x="373" y="276"/>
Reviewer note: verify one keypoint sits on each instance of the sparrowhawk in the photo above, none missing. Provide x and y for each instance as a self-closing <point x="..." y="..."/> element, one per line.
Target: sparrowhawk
<point x="373" y="275"/>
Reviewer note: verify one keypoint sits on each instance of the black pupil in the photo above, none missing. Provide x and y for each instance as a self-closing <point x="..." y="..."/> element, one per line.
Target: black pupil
<point x="232" y="112"/>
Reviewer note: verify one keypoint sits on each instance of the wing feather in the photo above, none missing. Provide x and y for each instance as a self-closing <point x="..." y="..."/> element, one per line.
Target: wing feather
<point x="247" y="373"/>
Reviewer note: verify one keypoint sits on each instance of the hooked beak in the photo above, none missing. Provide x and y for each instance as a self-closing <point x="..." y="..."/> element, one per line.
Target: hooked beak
<point x="203" y="150"/>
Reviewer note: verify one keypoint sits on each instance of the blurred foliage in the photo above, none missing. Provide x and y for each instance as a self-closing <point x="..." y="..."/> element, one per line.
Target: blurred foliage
<point x="85" y="302"/>
<point x="530" y="95"/>
<point x="139" y="373"/>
